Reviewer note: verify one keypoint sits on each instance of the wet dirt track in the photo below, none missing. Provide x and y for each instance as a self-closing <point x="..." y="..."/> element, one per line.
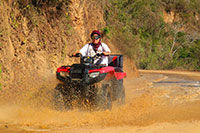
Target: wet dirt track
<point x="155" y="102"/>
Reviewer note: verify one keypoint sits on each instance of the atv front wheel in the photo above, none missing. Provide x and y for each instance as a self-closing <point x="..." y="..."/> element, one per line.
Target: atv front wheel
<point x="58" y="98"/>
<point x="120" y="92"/>
<point x="122" y="96"/>
<point x="103" y="99"/>
<point x="62" y="100"/>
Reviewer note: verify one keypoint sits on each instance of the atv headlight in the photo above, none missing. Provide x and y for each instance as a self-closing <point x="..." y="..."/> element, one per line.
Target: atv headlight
<point x="94" y="74"/>
<point x="64" y="74"/>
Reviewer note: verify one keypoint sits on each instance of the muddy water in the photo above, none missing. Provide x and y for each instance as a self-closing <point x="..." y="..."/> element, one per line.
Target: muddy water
<point x="151" y="98"/>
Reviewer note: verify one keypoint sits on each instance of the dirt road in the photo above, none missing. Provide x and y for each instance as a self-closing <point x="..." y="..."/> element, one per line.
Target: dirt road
<point x="157" y="101"/>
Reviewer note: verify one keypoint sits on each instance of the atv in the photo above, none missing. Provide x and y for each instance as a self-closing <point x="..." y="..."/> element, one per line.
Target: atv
<point x="89" y="85"/>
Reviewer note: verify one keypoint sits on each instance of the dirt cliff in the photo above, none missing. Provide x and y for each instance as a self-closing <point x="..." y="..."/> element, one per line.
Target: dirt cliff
<point x="33" y="45"/>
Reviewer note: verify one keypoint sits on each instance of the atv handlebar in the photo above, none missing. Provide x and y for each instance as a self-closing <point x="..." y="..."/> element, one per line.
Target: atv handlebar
<point x="75" y="55"/>
<point x="89" y="59"/>
<point x="99" y="54"/>
<point x="80" y="55"/>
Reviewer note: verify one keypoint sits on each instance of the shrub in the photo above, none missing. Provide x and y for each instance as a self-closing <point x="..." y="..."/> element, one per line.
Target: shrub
<point x="140" y="31"/>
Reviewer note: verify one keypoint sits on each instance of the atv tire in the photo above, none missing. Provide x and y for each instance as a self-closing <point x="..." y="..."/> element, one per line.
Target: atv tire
<point x="61" y="100"/>
<point x="58" y="98"/>
<point x="103" y="99"/>
<point x="121" y="92"/>
<point x="122" y="97"/>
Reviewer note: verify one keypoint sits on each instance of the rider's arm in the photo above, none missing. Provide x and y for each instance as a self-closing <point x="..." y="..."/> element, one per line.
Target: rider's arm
<point x="106" y="53"/>
<point x="84" y="50"/>
<point x="106" y="50"/>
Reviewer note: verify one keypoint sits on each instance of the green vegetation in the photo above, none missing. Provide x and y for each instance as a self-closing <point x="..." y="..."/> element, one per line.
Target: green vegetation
<point x="34" y="9"/>
<point x="138" y="27"/>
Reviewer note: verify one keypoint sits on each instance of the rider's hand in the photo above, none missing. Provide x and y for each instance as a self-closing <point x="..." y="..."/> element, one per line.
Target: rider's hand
<point x="106" y="53"/>
<point x="77" y="54"/>
<point x="74" y="54"/>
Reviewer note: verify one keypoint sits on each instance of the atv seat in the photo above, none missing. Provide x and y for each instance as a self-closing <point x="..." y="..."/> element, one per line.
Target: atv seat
<point x="115" y="61"/>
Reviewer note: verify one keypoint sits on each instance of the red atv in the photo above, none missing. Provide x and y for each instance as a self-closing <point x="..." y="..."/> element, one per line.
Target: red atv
<point x="90" y="85"/>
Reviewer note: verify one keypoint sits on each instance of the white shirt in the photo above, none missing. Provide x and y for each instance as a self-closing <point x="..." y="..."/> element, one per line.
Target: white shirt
<point x="88" y="50"/>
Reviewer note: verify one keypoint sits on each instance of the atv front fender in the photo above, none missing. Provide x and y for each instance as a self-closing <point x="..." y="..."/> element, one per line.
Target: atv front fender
<point x="120" y="75"/>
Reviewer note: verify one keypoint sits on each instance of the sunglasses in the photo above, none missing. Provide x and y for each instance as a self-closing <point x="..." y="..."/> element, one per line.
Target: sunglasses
<point x="95" y="37"/>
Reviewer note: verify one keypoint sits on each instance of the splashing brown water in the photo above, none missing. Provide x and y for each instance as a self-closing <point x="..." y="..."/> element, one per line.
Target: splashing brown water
<point x="34" y="109"/>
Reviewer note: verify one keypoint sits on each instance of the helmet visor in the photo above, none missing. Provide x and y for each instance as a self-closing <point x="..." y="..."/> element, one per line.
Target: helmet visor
<point x="95" y="37"/>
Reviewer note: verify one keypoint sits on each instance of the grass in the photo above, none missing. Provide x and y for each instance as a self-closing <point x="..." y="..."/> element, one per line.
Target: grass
<point x="14" y="22"/>
<point x="64" y="53"/>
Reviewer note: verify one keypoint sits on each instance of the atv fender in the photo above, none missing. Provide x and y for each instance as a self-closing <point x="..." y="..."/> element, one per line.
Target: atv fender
<point x="120" y="75"/>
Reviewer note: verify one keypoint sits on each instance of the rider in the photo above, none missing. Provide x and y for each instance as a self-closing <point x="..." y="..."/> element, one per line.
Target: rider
<point x="96" y="46"/>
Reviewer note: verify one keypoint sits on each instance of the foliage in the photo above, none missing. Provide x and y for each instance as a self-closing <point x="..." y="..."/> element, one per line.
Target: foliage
<point x="139" y="28"/>
<point x="33" y="9"/>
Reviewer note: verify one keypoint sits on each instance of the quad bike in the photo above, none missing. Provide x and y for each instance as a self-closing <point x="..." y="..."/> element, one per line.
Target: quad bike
<point x="90" y="85"/>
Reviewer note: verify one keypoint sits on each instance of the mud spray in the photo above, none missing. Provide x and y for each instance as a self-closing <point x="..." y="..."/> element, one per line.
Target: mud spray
<point x="32" y="109"/>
